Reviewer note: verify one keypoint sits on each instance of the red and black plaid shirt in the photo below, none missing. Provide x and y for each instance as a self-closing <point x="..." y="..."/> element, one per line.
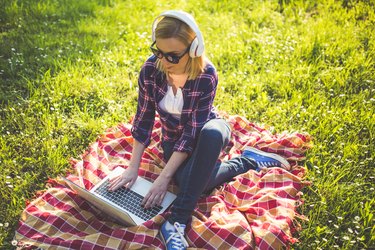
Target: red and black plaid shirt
<point x="198" y="97"/>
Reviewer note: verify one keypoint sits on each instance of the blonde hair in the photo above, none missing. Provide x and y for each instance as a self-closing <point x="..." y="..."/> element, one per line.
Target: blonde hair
<point x="169" y="27"/>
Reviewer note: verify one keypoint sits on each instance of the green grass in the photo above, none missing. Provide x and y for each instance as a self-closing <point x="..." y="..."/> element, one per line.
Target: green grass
<point x="68" y="71"/>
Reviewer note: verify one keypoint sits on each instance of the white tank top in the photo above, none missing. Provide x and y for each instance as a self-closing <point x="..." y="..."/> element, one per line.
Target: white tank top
<point x="171" y="103"/>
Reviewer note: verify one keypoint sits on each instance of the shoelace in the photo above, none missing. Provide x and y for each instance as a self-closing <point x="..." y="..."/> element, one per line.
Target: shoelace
<point x="266" y="164"/>
<point x="178" y="238"/>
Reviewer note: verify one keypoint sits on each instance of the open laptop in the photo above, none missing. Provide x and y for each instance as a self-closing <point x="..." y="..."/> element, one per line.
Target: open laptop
<point x="124" y="204"/>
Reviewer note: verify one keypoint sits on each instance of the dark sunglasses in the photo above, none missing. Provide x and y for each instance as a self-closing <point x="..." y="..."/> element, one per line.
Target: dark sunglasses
<point x="170" y="57"/>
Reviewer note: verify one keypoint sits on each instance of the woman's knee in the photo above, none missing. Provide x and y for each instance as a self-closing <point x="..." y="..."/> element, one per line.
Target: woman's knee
<point x="215" y="131"/>
<point x="211" y="133"/>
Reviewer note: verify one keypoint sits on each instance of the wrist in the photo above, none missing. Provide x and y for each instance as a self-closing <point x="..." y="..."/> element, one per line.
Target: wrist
<point x="133" y="166"/>
<point x="166" y="176"/>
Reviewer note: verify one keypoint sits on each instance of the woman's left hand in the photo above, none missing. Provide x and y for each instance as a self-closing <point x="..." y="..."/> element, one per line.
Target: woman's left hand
<point x="157" y="192"/>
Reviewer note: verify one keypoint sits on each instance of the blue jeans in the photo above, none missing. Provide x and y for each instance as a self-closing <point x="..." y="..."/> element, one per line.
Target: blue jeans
<point x="202" y="171"/>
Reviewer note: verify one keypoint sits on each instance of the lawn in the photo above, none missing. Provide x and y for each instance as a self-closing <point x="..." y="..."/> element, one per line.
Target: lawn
<point x="69" y="69"/>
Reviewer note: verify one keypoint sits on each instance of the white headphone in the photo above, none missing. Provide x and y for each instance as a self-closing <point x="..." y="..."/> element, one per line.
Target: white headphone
<point x="197" y="45"/>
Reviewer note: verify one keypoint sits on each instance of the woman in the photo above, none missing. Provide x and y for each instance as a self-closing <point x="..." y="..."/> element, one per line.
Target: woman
<point x="180" y="84"/>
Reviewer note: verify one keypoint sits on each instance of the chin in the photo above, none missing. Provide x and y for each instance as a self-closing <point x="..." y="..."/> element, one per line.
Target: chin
<point x="171" y="71"/>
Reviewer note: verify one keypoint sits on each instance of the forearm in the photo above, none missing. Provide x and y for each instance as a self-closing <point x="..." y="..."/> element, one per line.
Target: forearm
<point x="137" y="152"/>
<point x="173" y="164"/>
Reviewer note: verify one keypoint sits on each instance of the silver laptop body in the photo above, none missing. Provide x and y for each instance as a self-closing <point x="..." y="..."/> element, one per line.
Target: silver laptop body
<point x="123" y="205"/>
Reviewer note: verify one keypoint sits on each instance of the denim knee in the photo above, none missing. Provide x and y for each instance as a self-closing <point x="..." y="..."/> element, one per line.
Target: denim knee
<point x="215" y="133"/>
<point x="211" y="134"/>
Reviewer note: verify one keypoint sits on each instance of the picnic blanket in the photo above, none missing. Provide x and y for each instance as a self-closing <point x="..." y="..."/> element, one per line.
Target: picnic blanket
<point x="256" y="210"/>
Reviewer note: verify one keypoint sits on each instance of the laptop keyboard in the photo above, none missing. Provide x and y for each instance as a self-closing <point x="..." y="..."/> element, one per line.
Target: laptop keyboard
<point x="129" y="200"/>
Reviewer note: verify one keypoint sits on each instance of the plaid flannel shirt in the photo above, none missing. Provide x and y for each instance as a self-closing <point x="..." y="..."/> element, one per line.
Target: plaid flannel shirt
<point x="198" y="107"/>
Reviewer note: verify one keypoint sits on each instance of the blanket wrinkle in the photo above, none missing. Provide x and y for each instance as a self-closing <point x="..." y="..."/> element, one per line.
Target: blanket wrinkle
<point x="255" y="210"/>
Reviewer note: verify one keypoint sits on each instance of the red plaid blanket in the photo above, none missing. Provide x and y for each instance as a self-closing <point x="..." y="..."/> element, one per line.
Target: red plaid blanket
<point x="255" y="210"/>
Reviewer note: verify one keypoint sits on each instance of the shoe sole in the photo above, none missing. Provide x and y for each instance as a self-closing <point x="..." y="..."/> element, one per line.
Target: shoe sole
<point x="284" y="162"/>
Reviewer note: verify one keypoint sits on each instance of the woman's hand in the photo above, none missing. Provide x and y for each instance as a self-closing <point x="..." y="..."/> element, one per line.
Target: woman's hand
<point x="155" y="195"/>
<point x="125" y="179"/>
<point x="157" y="192"/>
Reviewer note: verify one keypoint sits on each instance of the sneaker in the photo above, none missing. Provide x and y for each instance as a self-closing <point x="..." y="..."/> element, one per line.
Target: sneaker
<point x="173" y="236"/>
<point x="264" y="159"/>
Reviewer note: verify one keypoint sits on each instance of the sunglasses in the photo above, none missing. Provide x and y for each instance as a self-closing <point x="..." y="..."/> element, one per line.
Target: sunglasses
<point x="170" y="57"/>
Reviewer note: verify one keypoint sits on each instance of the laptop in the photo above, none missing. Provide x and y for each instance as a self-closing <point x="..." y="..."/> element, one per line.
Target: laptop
<point x="123" y="205"/>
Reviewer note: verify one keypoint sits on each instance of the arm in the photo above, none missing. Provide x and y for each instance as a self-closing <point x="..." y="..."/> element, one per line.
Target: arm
<point x="144" y="118"/>
<point x="141" y="131"/>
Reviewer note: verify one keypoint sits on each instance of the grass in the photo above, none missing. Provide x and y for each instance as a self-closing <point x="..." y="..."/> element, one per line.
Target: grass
<point x="69" y="70"/>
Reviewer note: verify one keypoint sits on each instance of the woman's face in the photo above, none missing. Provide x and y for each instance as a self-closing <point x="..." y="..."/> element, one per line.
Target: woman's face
<point x="174" y="47"/>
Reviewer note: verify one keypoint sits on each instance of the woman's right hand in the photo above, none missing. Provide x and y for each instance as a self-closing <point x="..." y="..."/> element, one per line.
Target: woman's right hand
<point x="124" y="179"/>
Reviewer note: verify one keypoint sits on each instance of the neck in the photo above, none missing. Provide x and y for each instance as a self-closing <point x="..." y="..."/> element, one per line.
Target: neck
<point x="177" y="74"/>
